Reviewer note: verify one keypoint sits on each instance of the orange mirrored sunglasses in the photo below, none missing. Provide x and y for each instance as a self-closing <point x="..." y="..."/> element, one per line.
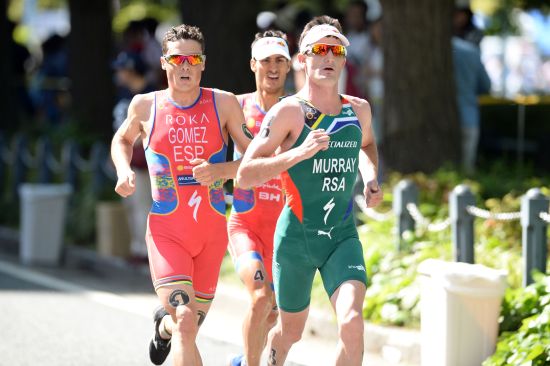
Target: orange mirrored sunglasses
<point x="177" y="60"/>
<point x="322" y="49"/>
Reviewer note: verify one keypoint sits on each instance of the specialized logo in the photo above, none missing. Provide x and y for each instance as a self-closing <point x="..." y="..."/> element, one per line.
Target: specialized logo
<point x="327" y="233"/>
<point x="195" y="201"/>
<point x="359" y="267"/>
<point x="328" y="207"/>
<point x="342" y="144"/>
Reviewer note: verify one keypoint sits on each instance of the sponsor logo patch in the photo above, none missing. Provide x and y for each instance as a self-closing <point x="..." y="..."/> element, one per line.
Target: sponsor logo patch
<point x="186" y="180"/>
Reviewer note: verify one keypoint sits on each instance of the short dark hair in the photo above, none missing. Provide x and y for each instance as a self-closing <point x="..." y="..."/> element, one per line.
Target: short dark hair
<point x="182" y="31"/>
<point x="269" y="33"/>
<point x="323" y="19"/>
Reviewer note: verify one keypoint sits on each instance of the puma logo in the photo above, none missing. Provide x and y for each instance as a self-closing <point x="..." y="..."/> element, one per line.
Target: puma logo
<point x="327" y="233"/>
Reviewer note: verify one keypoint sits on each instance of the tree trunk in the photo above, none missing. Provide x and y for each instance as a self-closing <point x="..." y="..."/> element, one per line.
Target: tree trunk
<point x="421" y="128"/>
<point x="9" y="120"/>
<point x="90" y="55"/>
<point x="228" y="28"/>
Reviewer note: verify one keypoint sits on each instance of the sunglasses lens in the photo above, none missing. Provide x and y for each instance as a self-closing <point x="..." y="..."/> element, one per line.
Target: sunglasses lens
<point x="319" y="49"/>
<point x="338" y="50"/>
<point x="175" y="59"/>
<point x="194" y="59"/>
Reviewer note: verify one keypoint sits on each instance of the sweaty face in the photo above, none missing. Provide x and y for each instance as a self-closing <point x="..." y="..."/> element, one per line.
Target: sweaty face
<point x="270" y="73"/>
<point x="324" y="69"/>
<point x="183" y="77"/>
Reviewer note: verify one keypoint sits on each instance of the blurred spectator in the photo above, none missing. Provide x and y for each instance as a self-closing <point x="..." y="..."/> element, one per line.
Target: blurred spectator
<point x="300" y="20"/>
<point x="373" y="73"/>
<point x="373" y="78"/>
<point x="50" y="84"/>
<point x="464" y="27"/>
<point x="131" y="72"/>
<point x="152" y="51"/>
<point x="357" y="32"/>
<point x="139" y="38"/>
<point x="21" y="62"/>
<point x="133" y="37"/>
<point x="471" y="80"/>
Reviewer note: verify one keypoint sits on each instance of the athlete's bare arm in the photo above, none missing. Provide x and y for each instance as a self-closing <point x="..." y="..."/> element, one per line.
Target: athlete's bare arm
<point x="231" y="119"/>
<point x="121" y="146"/>
<point x="280" y="129"/>
<point x="234" y="123"/>
<point x="368" y="156"/>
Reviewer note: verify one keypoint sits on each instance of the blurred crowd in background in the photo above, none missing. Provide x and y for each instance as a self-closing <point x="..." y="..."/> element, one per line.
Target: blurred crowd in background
<point x="516" y="64"/>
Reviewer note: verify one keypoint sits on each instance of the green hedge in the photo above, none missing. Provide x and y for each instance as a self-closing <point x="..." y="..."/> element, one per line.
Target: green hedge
<point x="524" y="326"/>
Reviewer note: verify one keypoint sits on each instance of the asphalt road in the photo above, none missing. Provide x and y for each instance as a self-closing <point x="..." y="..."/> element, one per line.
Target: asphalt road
<point x="88" y="313"/>
<point x="49" y="321"/>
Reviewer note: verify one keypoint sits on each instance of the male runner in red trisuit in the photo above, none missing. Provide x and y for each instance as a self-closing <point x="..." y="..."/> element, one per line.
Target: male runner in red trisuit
<point x="255" y="211"/>
<point x="184" y="130"/>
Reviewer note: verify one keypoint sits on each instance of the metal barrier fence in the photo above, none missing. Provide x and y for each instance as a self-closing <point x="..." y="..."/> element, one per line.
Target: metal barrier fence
<point x="69" y="166"/>
<point x="533" y="216"/>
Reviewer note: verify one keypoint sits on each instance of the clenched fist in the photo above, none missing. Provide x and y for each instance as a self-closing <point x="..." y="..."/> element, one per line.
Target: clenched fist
<point x="204" y="172"/>
<point x="315" y="141"/>
<point x="373" y="193"/>
<point x="126" y="183"/>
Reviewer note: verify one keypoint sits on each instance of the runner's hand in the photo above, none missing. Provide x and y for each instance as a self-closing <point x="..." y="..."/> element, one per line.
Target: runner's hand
<point x="204" y="172"/>
<point x="126" y="183"/>
<point x="373" y="193"/>
<point x="315" y="141"/>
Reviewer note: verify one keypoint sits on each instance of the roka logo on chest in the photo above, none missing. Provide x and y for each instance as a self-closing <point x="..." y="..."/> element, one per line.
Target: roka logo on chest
<point x="187" y="119"/>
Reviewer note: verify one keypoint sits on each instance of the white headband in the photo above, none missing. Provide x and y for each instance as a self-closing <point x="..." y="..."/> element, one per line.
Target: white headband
<point x="268" y="46"/>
<point x="320" y="31"/>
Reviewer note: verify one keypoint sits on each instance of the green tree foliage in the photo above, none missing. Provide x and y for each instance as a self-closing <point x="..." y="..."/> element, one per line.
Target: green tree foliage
<point x="139" y="10"/>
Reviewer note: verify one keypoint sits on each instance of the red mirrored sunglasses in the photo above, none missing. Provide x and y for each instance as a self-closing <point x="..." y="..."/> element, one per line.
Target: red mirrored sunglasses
<point x="177" y="60"/>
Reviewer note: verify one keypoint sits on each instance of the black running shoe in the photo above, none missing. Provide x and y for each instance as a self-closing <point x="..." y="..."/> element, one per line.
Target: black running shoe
<point x="159" y="348"/>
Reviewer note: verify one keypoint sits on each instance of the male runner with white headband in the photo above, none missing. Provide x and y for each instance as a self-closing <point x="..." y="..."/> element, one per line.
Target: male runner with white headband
<point x="321" y="140"/>
<point x="256" y="210"/>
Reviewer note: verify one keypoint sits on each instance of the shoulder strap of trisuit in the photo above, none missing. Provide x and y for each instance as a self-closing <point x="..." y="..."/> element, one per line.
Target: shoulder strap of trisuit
<point x="311" y="114"/>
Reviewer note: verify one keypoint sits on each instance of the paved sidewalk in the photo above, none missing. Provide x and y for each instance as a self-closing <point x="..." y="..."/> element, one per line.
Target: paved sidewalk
<point x="384" y="346"/>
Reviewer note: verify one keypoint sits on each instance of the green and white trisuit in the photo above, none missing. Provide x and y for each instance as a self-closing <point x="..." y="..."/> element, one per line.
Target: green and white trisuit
<point x="316" y="229"/>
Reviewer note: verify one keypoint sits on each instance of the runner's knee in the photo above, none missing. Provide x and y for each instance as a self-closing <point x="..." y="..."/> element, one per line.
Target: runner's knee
<point x="292" y="333"/>
<point x="261" y="300"/>
<point x="186" y="321"/>
<point x="351" y="328"/>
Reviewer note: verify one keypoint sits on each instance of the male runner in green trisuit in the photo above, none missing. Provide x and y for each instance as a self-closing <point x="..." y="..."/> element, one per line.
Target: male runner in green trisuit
<point x="321" y="139"/>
